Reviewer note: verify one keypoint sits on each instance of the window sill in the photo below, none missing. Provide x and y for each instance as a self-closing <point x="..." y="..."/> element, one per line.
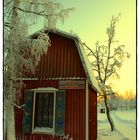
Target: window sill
<point x="42" y="130"/>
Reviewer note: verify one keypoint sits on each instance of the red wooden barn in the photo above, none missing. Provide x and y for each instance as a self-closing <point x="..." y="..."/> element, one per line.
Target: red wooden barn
<point x="61" y="97"/>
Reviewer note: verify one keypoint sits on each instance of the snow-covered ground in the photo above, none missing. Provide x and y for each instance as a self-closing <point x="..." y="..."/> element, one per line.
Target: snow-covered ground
<point x="125" y="123"/>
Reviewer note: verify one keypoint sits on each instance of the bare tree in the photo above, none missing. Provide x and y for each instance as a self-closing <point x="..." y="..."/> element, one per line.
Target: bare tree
<point x="21" y="53"/>
<point x="107" y="60"/>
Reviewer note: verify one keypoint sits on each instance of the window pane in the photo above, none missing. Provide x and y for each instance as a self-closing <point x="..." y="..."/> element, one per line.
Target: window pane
<point x="44" y="110"/>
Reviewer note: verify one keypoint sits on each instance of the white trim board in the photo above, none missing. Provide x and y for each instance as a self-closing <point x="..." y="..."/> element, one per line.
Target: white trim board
<point x="87" y="109"/>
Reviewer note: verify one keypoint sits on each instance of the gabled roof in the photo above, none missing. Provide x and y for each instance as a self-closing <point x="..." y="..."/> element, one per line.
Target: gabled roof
<point x="84" y="59"/>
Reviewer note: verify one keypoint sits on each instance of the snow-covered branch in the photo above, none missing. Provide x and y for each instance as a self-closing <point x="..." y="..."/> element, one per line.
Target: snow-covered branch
<point x="33" y="12"/>
<point x="18" y="106"/>
<point x="91" y="51"/>
<point x="7" y="25"/>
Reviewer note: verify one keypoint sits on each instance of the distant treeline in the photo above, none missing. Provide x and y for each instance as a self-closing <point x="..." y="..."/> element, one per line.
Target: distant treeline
<point x="123" y="101"/>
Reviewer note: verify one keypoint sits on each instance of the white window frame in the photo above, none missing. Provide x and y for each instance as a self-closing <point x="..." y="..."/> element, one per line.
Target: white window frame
<point x="43" y="130"/>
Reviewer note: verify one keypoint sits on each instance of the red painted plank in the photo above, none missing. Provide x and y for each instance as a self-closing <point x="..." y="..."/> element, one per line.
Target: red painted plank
<point x="75" y="113"/>
<point x="92" y="114"/>
<point x="61" y="61"/>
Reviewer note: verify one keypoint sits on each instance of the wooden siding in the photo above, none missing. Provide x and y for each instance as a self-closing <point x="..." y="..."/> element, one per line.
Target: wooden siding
<point x="61" y="61"/>
<point x="75" y="113"/>
<point x="92" y="114"/>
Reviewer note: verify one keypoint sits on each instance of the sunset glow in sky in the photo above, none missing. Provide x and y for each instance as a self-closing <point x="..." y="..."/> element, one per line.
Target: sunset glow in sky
<point x="89" y="21"/>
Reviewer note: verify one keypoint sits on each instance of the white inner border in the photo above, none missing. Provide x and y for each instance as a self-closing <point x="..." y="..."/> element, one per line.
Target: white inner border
<point x="43" y="130"/>
<point x="87" y="108"/>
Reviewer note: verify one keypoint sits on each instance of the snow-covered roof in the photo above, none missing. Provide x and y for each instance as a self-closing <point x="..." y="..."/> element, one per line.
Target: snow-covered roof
<point x="87" y="67"/>
<point x="84" y="59"/>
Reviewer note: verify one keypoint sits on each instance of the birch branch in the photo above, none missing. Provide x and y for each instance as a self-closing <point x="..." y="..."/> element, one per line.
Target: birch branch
<point x="33" y="12"/>
<point x="18" y="106"/>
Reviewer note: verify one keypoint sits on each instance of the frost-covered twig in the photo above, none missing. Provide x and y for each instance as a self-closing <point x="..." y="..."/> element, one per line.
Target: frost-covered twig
<point x="18" y="106"/>
<point x="33" y="12"/>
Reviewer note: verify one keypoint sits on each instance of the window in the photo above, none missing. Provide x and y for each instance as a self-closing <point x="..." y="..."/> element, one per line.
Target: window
<point x="44" y="104"/>
<point x="44" y="111"/>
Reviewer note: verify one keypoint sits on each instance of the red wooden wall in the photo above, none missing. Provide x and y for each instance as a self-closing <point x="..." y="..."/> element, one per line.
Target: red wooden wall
<point x="75" y="113"/>
<point x="62" y="61"/>
<point x="92" y="114"/>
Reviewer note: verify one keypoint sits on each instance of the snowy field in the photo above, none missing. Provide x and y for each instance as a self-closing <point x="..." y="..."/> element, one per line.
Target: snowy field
<point x="125" y="123"/>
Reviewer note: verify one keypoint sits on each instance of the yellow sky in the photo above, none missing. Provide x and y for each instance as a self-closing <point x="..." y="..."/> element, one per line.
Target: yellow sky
<point x="89" y="21"/>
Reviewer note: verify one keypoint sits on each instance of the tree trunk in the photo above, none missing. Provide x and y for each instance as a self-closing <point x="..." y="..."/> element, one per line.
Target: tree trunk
<point x="112" y="126"/>
<point x="9" y="117"/>
<point x="10" y="125"/>
<point x="126" y="105"/>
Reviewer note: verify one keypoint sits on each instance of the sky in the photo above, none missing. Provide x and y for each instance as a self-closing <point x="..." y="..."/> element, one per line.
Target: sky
<point x="89" y="21"/>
